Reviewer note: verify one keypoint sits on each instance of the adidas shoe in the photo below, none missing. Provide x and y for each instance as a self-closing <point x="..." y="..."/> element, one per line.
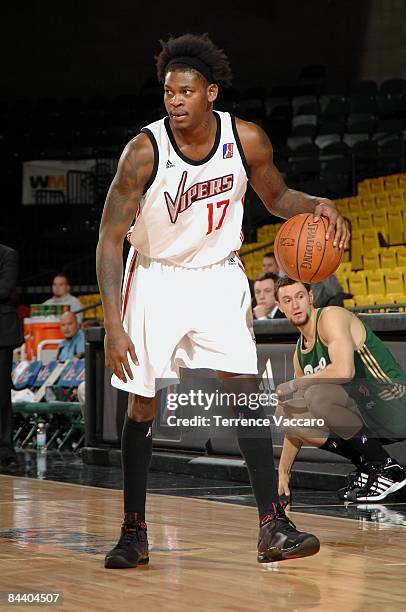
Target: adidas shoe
<point x="356" y="480"/>
<point x="382" y="481"/>
<point x="132" y="548"/>
<point x="279" y="539"/>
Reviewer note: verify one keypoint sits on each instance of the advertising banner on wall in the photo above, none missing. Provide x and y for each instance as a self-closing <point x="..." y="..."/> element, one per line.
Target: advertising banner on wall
<point x="59" y="182"/>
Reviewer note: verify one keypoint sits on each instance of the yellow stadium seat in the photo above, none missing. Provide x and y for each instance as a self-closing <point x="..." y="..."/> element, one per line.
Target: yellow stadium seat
<point x="262" y="233"/>
<point x="401" y="256"/>
<point x="353" y="219"/>
<point x="394" y="282"/>
<point x="365" y="220"/>
<point x="370" y="240"/>
<point x="395" y="225"/>
<point x="378" y="298"/>
<point x="266" y="233"/>
<point x="397" y="198"/>
<point x="89" y="300"/>
<point x="344" y="268"/>
<point x="396" y="298"/>
<point x="357" y="249"/>
<point x="344" y="208"/>
<point x="363" y="188"/>
<point x="380" y="219"/>
<point x="371" y="261"/>
<point x="388" y="258"/>
<point x="368" y="202"/>
<point x="363" y="300"/>
<point x="402" y="181"/>
<point x="390" y="182"/>
<point x="357" y="283"/>
<point x="349" y="303"/>
<point x="376" y="282"/>
<point x="376" y="185"/>
<point x="346" y="256"/>
<point x="354" y="204"/>
<point x="343" y="280"/>
<point x="382" y="201"/>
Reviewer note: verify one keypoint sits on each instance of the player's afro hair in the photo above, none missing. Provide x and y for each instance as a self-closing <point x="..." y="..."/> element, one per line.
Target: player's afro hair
<point x="195" y="46"/>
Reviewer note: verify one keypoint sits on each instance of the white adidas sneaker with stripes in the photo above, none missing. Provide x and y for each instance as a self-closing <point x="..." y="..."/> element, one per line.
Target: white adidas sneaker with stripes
<point x="382" y="481"/>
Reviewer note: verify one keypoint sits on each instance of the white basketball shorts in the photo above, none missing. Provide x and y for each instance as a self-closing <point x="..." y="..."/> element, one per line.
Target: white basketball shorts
<point x="185" y="317"/>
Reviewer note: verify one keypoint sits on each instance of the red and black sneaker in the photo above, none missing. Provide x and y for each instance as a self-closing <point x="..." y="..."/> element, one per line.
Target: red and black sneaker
<point x="132" y="548"/>
<point x="279" y="539"/>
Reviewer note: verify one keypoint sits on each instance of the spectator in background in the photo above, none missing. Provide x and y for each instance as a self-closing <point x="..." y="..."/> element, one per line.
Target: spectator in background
<point x="73" y="344"/>
<point x="266" y="307"/>
<point x="269" y="264"/>
<point x="11" y="336"/>
<point x="61" y="295"/>
<point x="327" y="293"/>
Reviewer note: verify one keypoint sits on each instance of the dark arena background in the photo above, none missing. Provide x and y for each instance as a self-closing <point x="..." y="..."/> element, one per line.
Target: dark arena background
<point x="326" y="80"/>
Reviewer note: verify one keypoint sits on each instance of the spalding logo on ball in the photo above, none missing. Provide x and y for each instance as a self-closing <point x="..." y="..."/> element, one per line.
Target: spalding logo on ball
<point x="302" y="251"/>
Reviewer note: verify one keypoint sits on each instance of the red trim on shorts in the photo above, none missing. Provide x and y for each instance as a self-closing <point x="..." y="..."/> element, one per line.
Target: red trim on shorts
<point x="128" y="284"/>
<point x="241" y="231"/>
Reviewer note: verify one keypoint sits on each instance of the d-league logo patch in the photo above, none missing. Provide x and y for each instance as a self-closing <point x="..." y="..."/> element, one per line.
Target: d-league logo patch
<point x="228" y="150"/>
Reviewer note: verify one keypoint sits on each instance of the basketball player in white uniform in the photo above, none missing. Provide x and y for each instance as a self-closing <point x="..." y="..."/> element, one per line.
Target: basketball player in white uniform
<point x="185" y="299"/>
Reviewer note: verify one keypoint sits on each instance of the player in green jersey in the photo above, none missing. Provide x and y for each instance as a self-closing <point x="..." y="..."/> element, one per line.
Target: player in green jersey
<point x="350" y="384"/>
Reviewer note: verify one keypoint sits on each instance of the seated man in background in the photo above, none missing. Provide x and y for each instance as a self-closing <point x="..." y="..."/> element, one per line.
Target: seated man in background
<point x="73" y="344"/>
<point x="347" y="379"/>
<point x="269" y="264"/>
<point x="61" y="295"/>
<point x="264" y="292"/>
<point x="327" y="293"/>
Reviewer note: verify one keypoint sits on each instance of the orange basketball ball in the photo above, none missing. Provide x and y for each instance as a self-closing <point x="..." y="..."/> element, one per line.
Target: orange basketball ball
<point x="302" y="251"/>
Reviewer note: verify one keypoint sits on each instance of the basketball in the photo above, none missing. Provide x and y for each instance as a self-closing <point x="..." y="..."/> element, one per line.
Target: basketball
<point x="302" y="251"/>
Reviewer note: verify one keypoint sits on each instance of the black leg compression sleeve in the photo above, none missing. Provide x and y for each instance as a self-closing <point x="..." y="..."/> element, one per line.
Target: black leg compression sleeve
<point x="136" y="453"/>
<point x="339" y="446"/>
<point x="369" y="446"/>
<point x="255" y="443"/>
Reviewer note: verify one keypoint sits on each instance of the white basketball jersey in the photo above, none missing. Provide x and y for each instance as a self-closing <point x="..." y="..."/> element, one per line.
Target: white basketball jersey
<point x="191" y="211"/>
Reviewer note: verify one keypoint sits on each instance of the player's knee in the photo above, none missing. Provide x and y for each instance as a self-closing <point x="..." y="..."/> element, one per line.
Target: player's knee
<point x="318" y="399"/>
<point x="141" y="408"/>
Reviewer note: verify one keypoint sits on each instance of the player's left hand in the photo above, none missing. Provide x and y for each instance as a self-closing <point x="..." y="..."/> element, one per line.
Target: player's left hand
<point x="325" y="208"/>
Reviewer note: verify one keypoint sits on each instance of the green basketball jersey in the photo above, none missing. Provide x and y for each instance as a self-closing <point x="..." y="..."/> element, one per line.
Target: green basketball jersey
<point x="372" y="360"/>
<point x="378" y="386"/>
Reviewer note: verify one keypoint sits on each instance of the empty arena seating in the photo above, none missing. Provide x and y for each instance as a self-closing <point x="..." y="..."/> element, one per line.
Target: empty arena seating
<point x="378" y="253"/>
<point x="48" y="393"/>
<point x="374" y="268"/>
<point x="325" y="142"/>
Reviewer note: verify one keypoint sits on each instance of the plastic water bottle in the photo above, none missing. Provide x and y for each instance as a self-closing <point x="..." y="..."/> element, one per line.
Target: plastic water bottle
<point x="41" y="436"/>
<point x="41" y="465"/>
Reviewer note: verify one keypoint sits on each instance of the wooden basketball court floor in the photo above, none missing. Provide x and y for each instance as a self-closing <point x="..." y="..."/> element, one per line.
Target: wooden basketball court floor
<point x="54" y="536"/>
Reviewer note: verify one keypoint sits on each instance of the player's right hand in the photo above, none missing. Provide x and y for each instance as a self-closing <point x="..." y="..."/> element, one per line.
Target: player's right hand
<point x="284" y="483"/>
<point x="117" y="346"/>
<point x="286" y="388"/>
